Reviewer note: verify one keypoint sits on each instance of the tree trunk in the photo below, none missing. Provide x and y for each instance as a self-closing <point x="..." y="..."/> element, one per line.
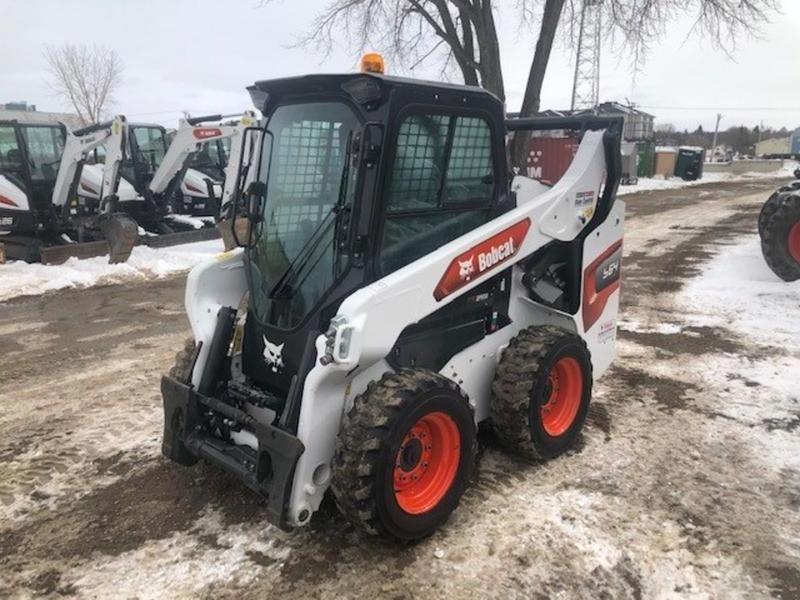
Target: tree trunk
<point x="490" y="67"/>
<point x="533" y="90"/>
<point x="547" y="34"/>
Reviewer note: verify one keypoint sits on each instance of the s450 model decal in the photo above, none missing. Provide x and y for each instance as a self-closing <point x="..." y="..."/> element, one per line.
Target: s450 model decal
<point x="600" y="280"/>
<point x="481" y="258"/>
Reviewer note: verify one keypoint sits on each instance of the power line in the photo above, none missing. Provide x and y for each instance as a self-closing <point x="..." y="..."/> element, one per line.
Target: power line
<point x="726" y="108"/>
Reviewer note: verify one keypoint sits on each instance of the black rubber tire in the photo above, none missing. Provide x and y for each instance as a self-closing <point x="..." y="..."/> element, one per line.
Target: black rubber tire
<point x="371" y="434"/>
<point x="770" y="206"/>
<point x="181" y="370"/>
<point x="797" y="173"/>
<point x="775" y="238"/>
<point x="520" y="387"/>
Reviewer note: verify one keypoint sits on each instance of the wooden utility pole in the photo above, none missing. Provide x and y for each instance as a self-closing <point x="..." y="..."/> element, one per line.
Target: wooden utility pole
<point x="716" y="131"/>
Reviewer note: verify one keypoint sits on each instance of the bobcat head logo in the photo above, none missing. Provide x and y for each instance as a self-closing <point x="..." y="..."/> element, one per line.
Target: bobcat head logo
<point x="273" y="355"/>
<point x="466" y="268"/>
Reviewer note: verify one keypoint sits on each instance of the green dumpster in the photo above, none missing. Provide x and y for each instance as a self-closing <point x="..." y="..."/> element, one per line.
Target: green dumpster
<point x="689" y="163"/>
<point x="646" y="152"/>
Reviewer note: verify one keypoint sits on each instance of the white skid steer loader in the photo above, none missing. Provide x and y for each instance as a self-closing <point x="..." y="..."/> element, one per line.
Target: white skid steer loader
<point x="393" y="290"/>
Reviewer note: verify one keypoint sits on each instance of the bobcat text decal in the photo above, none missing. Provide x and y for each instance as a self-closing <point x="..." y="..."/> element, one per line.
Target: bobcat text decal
<point x="206" y="132"/>
<point x="481" y="258"/>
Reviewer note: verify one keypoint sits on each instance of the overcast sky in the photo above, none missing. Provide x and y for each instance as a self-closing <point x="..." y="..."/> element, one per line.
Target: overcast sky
<point x="198" y="55"/>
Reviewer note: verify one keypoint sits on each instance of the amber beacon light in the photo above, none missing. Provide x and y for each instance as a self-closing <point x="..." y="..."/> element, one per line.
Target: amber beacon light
<point x="372" y="62"/>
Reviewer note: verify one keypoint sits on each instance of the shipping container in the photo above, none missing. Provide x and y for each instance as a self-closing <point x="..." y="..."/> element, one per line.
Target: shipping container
<point x="665" y="161"/>
<point x="550" y="157"/>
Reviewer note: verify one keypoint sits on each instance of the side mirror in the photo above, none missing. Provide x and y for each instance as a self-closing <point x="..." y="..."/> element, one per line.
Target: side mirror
<point x="245" y="222"/>
<point x="246" y="210"/>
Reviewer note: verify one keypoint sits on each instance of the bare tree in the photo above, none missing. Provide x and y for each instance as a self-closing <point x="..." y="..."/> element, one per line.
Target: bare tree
<point x="85" y="76"/>
<point x="463" y="32"/>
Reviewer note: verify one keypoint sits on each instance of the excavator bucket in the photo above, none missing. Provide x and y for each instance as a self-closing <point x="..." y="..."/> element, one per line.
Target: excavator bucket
<point x="121" y="233"/>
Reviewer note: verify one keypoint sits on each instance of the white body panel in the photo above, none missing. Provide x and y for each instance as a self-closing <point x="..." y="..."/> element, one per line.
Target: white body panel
<point x="370" y="321"/>
<point x="194" y="184"/>
<point x="17" y="198"/>
<point x="91" y="184"/>
<point x="211" y="285"/>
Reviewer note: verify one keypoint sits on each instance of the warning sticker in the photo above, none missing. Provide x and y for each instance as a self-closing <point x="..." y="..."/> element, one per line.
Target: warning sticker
<point x="583" y="199"/>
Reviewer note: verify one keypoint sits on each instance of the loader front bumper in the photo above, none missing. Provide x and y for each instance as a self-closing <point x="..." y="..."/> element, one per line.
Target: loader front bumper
<point x="268" y="471"/>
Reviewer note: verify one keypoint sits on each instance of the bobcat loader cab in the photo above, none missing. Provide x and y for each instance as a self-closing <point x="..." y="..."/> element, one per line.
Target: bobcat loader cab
<point x="393" y="291"/>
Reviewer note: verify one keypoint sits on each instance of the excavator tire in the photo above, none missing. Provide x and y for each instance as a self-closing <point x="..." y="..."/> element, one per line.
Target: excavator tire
<point x="404" y="455"/>
<point x="780" y="240"/>
<point x="541" y="392"/>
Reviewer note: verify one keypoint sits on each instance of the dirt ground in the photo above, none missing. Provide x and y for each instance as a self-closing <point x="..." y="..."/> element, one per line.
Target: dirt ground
<point x="671" y="493"/>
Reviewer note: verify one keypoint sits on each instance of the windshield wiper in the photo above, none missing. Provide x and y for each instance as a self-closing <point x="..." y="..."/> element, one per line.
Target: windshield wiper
<point x="315" y="239"/>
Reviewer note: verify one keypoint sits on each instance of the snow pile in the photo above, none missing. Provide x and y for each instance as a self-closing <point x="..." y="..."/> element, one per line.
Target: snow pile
<point x="193" y="222"/>
<point x="20" y="279"/>
<point x="659" y="183"/>
<point x="738" y="291"/>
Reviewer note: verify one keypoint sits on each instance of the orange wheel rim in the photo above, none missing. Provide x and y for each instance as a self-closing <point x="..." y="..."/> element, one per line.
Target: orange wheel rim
<point x="563" y="393"/>
<point x="426" y="463"/>
<point x="794" y="242"/>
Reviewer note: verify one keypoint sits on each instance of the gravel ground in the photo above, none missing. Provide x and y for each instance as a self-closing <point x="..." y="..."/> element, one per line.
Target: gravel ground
<point x="685" y="484"/>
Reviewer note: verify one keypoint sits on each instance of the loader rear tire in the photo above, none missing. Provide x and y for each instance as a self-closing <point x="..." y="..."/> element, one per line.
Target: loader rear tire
<point x="541" y="392"/>
<point x="404" y="455"/>
<point x="780" y="241"/>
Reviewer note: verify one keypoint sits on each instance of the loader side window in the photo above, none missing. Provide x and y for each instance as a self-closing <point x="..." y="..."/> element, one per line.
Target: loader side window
<point x="441" y="186"/>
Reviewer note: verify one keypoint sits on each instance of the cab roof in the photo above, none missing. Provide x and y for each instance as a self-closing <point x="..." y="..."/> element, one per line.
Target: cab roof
<point x="263" y="91"/>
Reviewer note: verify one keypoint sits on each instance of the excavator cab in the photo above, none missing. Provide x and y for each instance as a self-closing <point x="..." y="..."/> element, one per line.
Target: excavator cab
<point x="393" y="289"/>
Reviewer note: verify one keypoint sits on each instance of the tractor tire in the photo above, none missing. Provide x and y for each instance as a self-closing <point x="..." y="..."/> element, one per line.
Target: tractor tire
<point x="770" y="206"/>
<point x="404" y="455"/>
<point x="780" y="241"/>
<point x="541" y="392"/>
<point x="182" y="369"/>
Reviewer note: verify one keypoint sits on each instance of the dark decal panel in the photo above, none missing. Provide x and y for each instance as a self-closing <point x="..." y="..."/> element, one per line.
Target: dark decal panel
<point x="609" y="271"/>
<point x="600" y="280"/>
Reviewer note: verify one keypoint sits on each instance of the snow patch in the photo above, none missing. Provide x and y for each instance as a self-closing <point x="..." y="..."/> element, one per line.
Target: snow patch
<point x="659" y="183"/>
<point x="738" y="291"/>
<point x="21" y="279"/>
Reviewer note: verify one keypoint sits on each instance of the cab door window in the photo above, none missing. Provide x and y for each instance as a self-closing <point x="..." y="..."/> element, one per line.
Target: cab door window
<point x="441" y="185"/>
<point x="10" y="155"/>
<point x="45" y="146"/>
